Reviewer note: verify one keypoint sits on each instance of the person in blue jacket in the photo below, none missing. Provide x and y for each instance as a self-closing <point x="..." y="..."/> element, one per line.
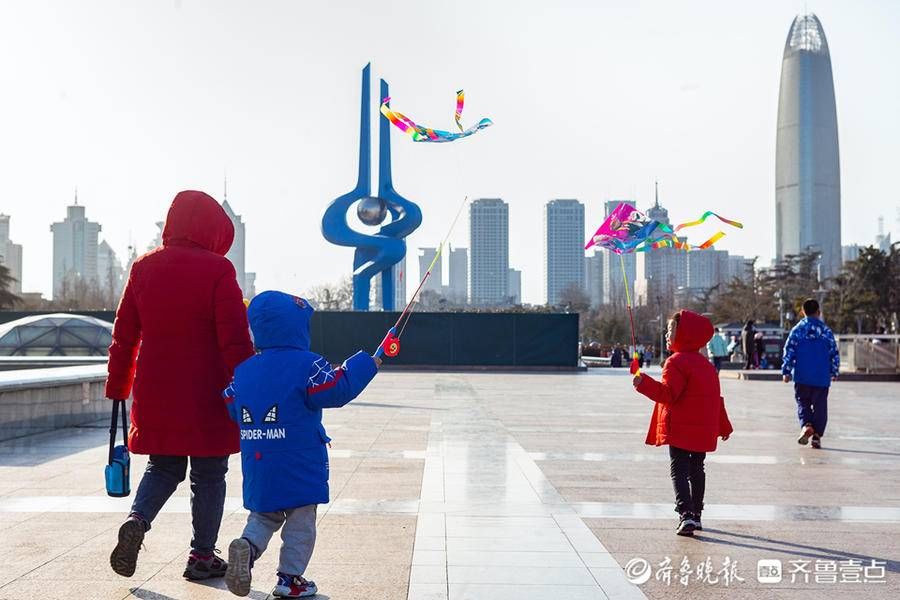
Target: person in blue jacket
<point x="277" y="397"/>
<point x="812" y="361"/>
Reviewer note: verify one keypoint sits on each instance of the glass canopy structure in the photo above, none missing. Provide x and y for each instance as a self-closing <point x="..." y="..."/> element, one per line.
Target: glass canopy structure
<point x="57" y="334"/>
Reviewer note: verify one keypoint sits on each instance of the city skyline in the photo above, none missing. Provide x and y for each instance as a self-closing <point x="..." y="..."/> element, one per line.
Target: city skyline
<point x="118" y="125"/>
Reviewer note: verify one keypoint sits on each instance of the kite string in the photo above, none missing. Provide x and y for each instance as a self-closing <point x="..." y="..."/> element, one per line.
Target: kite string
<point x="407" y="311"/>
<point x="630" y="314"/>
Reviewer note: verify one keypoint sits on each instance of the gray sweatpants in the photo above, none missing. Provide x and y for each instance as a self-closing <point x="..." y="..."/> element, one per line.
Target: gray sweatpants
<point x="298" y="536"/>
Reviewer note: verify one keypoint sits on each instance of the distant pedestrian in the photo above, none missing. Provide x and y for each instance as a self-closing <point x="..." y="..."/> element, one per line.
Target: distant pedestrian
<point x="648" y="355"/>
<point x="689" y="413"/>
<point x="748" y="346"/>
<point x="718" y="349"/>
<point x="812" y="362"/>
<point x="759" y="350"/>
<point x="732" y="347"/>
<point x="616" y="359"/>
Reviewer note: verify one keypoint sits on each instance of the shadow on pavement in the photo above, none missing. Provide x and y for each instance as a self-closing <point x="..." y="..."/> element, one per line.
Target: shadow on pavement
<point x="771" y="545"/>
<point x="380" y="405"/>
<point x="861" y="451"/>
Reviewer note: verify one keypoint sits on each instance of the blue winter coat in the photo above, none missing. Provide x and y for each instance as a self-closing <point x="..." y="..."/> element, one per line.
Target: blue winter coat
<point x="811" y="355"/>
<point x="277" y="397"/>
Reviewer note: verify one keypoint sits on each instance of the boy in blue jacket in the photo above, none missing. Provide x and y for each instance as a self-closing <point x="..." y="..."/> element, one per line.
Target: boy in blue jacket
<point x="811" y="360"/>
<point x="277" y="397"/>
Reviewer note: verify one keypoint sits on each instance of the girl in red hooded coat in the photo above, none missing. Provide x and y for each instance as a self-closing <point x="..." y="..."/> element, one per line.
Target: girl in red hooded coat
<point x="689" y="414"/>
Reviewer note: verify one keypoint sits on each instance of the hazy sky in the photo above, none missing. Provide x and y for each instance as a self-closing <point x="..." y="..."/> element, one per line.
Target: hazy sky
<point x="133" y="101"/>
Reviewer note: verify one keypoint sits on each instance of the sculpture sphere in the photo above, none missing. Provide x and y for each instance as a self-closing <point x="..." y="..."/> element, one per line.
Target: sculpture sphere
<point x="371" y="210"/>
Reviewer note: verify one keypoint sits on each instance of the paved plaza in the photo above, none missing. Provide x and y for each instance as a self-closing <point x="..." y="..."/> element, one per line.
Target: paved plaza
<point x="464" y="486"/>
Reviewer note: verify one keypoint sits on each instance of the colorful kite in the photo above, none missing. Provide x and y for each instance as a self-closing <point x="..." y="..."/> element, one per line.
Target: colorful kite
<point x="627" y="230"/>
<point x="426" y="134"/>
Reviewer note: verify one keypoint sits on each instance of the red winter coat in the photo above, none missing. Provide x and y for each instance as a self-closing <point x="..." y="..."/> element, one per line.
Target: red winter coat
<point x="181" y="329"/>
<point x="690" y="411"/>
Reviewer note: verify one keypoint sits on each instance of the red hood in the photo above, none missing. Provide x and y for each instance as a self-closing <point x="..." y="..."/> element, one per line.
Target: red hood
<point x="692" y="333"/>
<point x="197" y="218"/>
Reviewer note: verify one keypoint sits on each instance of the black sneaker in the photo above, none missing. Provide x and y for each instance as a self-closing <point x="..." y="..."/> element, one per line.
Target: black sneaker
<point x="686" y="525"/>
<point x="698" y="525"/>
<point x="240" y="561"/>
<point x="816" y="441"/>
<point x="123" y="559"/>
<point x="204" y="567"/>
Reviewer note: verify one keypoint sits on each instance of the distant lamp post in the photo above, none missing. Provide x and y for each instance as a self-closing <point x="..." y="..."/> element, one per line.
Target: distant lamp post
<point x="820" y="293"/>
<point x="780" y="296"/>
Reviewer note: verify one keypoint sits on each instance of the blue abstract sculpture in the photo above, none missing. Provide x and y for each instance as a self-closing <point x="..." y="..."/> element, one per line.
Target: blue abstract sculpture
<point x="379" y="252"/>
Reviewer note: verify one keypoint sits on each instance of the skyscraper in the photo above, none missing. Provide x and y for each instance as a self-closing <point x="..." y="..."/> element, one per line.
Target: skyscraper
<point x="10" y="255"/>
<point x="659" y="273"/>
<point x="489" y="243"/>
<point x="593" y="277"/>
<point x="75" y="245"/>
<point x="563" y="248"/>
<point x="399" y="271"/>
<point x="237" y="252"/>
<point x="426" y="255"/>
<point x="110" y="274"/>
<point x="458" y="288"/>
<point x="807" y="167"/>
<point x="514" y="286"/>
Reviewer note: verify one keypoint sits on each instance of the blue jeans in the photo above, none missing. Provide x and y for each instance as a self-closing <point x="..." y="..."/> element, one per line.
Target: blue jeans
<point x="812" y="406"/>
<point x="162" y="476"/>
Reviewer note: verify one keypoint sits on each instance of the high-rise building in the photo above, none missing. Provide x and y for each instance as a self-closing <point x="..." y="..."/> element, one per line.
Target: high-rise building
<point x="514" y="286"/>
<point x="740" y="267"/>
<point x="75" y="245"/>
<point x="563" y="248"/>
<point x="850" y="252"/>
<point x="110" y="274"/>
<point x="612" y="266"/>
<point x="458" y="287"/>
<point x="882" y="240"/>
<point x="593" y="277"/>
<point x="489" y="243"/>
<point x="399" y="270"/>
<point x="807" y="165"/>
<point x="659" y="273"/>
<point x="237" y="252"/>
<point x="707" y="268"/>
<point x="11" y="255"/>
<point x="426" y="255"/>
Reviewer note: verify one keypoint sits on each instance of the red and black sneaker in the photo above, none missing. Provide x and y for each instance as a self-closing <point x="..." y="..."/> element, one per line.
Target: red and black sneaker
<point x="294" y="586"/>
<point x="200" y="566"/>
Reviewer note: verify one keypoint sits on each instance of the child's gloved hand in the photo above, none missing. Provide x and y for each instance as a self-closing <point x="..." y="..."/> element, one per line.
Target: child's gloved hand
<point x="636" y="380"/>
<point x="725" y="438"/>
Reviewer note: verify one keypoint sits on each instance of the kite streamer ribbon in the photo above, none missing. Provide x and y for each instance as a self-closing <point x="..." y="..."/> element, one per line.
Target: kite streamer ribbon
<point x="627" y="230"/>
<point x="390" y="345"/>
<point x="418" y="133"/>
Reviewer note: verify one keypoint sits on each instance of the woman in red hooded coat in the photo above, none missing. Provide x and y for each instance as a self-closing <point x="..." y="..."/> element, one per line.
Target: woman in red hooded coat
<point x="181" y="329"/>
<point x="689" y="413"/>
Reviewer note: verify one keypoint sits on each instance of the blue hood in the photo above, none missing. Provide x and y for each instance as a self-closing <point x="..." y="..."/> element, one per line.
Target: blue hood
<point x="279" y="320"/>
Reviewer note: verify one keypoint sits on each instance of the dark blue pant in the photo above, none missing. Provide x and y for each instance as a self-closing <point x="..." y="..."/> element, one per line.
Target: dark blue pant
<point x="688" y="479"/>
<point x="812" y="406"/>
<point x="162" y="476"/>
